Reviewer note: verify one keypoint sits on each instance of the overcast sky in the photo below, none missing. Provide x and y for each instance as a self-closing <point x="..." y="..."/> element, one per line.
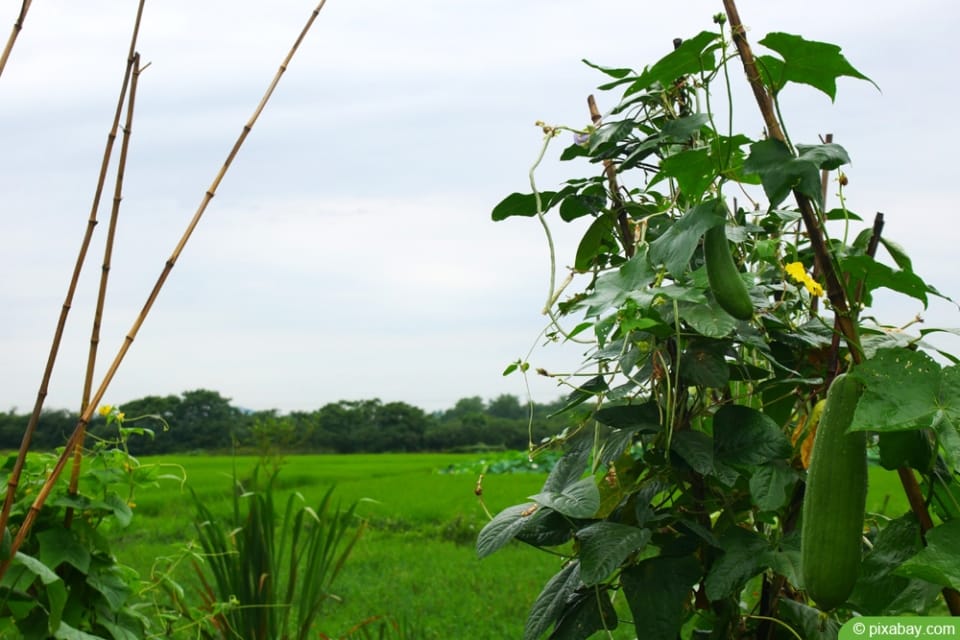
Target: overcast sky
<point x="349" y="253"/>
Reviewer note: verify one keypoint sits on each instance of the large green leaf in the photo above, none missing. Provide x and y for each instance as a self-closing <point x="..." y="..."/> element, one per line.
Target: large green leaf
<point x="770" y="483"/>
<point x="906" y="389"/>
<point x="58" y="545"/>
<point x="693" y="169"/>
<point x="676" y="246"/>
<point x="744" y="436"/>
<point x="745" y="554"/>
<point x="597" y="238"/>
<point x="817" y="64"/>
<point x="522" y="204"/>
<point x="692" y="56"/>
<point x="614" y="287"/>
<point x="605" y="545"/>
<point x="879" y="590"/>
<point x="938" y="563"/>
<point x="876" y="275"/>
<point x="578" y="500"/>
<point x="503" y="528"/>
<point x="56" y="591"/>
<point x="549" y="605"/>
<point x="809" y="621"/>
<point x="709" y="320"/>
<point x="781" y="172"/>
<point x="589" y="611"/>
<point x="657" y="591"/>
<point x="643" y="417"/>
<point x="695" y="448"/>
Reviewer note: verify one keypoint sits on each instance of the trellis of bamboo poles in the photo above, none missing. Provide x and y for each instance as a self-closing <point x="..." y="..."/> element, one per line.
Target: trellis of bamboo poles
<point x="104" y="277"/>
<point x="73" y="441"/>
<point x="12" y="39"/>
<point x="14" y="479"/>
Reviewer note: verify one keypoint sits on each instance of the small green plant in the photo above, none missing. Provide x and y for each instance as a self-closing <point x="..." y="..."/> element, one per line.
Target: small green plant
<point x="266" y="575"/>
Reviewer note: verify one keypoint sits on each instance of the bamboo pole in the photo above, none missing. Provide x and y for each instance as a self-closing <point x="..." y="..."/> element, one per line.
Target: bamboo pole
<point x="835" y="291"/>
<point x="104" y="277"/>
<point x="86" y="414"/>
<point x="14" y="479"/>
<point x="17" y="28"/>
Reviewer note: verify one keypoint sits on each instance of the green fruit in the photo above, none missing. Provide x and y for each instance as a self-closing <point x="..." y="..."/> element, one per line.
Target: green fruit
<point x="835" y="499"/>
<point x="725" y="281"/>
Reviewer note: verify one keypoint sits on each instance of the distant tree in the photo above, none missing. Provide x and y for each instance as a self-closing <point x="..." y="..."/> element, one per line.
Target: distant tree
<point x="400" y="427"/>
<point x="507" y="406"/>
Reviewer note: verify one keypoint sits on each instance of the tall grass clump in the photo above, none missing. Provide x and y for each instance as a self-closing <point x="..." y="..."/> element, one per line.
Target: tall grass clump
<point x="266" y="574"/>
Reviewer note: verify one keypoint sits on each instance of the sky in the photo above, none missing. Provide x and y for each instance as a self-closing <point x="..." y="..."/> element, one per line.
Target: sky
<point x="349" y="252"/>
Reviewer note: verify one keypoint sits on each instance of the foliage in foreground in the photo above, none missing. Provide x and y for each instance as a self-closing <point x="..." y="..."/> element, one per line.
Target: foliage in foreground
<point x="714" y="329"/>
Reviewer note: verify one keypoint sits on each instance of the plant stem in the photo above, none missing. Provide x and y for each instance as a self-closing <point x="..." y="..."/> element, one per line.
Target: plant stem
<point x="17" y="27"/>
<point x="85" y="416"/>
<point x="14" y="480"/>
<point x="626" y="237"/>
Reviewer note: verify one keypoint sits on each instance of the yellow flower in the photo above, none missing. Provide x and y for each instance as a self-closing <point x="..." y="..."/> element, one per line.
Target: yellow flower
<point x="796" y="271"/>
<point x="120" y="416"/>
<point x="105" y="409"/>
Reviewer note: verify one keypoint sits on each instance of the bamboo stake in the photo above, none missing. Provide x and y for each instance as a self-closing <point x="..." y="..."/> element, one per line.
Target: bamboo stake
<point x="835" y="291"/>
<point x="17" y="27"/>
<point x="87" y="413"/>
<point x="104" y="276"/>
<point x="14" y="479"/>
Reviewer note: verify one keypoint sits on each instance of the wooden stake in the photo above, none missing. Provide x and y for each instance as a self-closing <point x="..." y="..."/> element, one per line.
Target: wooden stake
<point x="97" y="396"/>
<point x="17" y="27"/>
<point x="14" y="479"/>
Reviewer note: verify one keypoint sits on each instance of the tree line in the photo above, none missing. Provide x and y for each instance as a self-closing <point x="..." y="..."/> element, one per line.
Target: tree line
<point x="203" y="420"/>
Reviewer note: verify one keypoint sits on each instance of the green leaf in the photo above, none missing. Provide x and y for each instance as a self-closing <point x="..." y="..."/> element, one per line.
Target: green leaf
<point x="817" y="64"/>
<point x="745" y="554"/>
<point x="770" y="484"/>
<point x="781" y="172"/>
<point x="568" y="469"/>
<point x="597" y="238"/>
<point x="938" y="563"/>
<point x="897" y="253"/>
<point x="522" y="204"/>
<point x="603" y="140"/>
<point x="604" y="546"/>
<point x="823" y="156"/>
<point x="695" y="448"/>
<point x="503" y="528"/>
<point x="808" y="620"/>
<point x="59" y="545"/>
<point x="702" y="364"/>
<point x="876" y="275"/>
<point x="879" y="591"/>
<point x="66" y="632"/>
<point x="589" y="611"/>
<point x="546" y="528"/>
<point x="610" y="71"/>
<point x="691" y="57"/>
<point x="56" y="590"/>
<point x="658" y="591"/>
<point x="906" y="449"/>
<point x="901" y="391"/>
<point x="644" y="417"/>
<point x="693" y="169"/>
<point x="612" y="288"/>
<point x="681" y="130"/>
<point x="744" y="436"/>
<point x="578" y="500"/>
<point x="678" y="243"/>
<point x="549" y="605"/>
<point x="709" y="320"/>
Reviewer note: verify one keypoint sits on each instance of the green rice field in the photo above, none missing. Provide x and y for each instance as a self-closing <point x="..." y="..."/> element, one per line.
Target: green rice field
<point x="415" y="563"/>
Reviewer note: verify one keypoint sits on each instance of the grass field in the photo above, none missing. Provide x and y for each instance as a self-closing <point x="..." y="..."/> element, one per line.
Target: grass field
<point x="416" y="562"/>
